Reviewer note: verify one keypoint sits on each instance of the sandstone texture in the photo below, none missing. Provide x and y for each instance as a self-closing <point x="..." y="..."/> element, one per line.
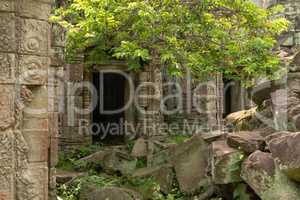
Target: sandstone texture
<point x="226" y="163"/>
<point x="247" y="142"/>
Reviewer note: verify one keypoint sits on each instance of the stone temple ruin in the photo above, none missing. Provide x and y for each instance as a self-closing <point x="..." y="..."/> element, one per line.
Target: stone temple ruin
<point x="39" y="92"/>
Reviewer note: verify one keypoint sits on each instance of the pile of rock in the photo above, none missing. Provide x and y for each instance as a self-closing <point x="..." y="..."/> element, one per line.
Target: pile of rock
<point x="266" y="168"/>
<point x="269" y="166"/>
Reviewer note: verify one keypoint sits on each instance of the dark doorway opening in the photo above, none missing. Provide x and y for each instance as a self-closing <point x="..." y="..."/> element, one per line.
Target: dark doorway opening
<point x="227" y="97"/>
<point x="107" y="126"/>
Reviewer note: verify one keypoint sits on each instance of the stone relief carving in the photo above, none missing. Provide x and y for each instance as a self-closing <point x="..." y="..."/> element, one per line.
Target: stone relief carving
<point x="24" y="184"/>
<point x="6" y="160"/>
<point x="34" y="36"/>
<point x="26" y="95"/>
<point x="20" y="179"/>
<point x="39" y="173"/>
<point x="6" y="107"/>
<point x="58" y="56"/>
<point x="34" y="9"/>
<point x="7" y="31"/>
<point x="6" y="5"/>
<point x="7" y="66"/>
<point x="75" y="72"/>
<point x="59" y="35"/>
<point x="13" y="147"/>
<point x="33" y="69"/>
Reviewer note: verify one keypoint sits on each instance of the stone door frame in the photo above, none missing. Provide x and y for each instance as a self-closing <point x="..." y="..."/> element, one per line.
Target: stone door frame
<point x="130" y="113"/>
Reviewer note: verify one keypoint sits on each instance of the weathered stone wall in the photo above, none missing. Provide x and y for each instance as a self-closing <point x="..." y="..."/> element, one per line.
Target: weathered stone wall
<point x="66" y="93"/>
<point x="24" y="123"/>
<point x="72" y="104"/>
<point x="285" y="98"/>
<point x="200" y="108"/>
<point x="149" y="116"/>
<point x="55" y="85"/>
<point x="291" y="49"/>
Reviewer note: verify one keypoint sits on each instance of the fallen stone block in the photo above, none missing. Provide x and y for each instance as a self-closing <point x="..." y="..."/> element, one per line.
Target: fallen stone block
<point x="275" y="135"/>
<point x="119" y="162"/>
<point x="212" y="136"/>
<point x="262" y="91"/>
<point x="108" y="193"/>
<point x="160" y="158"/>
<point x="163" y="175"/>
<point x="191" y="162"/>
<point x="139" y="148"/>
<point x="63" y="177"/>
<point x="226" y="163"/>
<point x="285" y="149"/>
<point x="94" y="158"/>
<point x="240" y="120"/>
<point x="246" y="141"/>
<point x="260" y="173"/>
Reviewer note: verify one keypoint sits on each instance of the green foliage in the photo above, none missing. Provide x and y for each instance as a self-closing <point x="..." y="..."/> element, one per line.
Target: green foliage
<point x="141" y="162"/>
<point x="178" y="138"/>
<point x="145" y="186"/>
<point x="72" y="191"/>
<point x="101" y="181"/>
<point x="232" y="37"/>
<point x="69" y="192"/>
<point x="70" y="161"/>
<point x="236" y="162"/>
<point x="240" y="192"/>
<point x="130" y="145"/>
<point x="65" y="162"/>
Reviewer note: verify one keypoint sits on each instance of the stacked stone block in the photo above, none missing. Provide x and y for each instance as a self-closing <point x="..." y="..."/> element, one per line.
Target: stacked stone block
<point x="55" y="93"/>
<point x="71" y="132"/>
<point x="199" y="106"/>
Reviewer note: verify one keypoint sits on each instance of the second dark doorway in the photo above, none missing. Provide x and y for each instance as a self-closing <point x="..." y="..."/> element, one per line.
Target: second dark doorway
<point x="111" y="92"/>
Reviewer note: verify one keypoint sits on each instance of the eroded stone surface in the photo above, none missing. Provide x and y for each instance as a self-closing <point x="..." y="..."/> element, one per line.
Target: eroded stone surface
<point x="260" y="173"/>
<point x="33" y="69"/>
<point x="6" y="106"/>
<point x="163" y="175"/>
<point x="95" y="158"/>
<point x="7" y="5"/>
<point x="21" y="34"/>
<point x="38" y="145"/>
<point x="34" y="36"/>
<point x="7" y="32"/>
<point x="191" y="161"/>
<point x="139" y="148"/>
<point x="113" y="193"/>
<point x="58" y="36"/>
<point x="246" y="141"/>
<point x="63" y="177"/>
<point x="7" y="67"/>
<point x="226" y="163"/>
<point x="34" y="9"/>
<point x="286" y="152"/>
<point x="6" y="164"/>
<point x="258" y="170"/>
<point x="117" y="161"/>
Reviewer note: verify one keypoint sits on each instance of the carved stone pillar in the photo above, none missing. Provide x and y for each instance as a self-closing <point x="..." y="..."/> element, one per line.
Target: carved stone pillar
<point x="55" y="95"/>
<point x="24" y="134"/>
<point x="150" y="92"/>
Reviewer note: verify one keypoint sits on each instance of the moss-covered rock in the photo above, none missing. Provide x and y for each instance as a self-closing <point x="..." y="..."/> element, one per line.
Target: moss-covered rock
<point x="191" y="161"/>
<point x="285" y="149"/>
<point x="260" y="172"/>
<point x="226" y="163"/>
